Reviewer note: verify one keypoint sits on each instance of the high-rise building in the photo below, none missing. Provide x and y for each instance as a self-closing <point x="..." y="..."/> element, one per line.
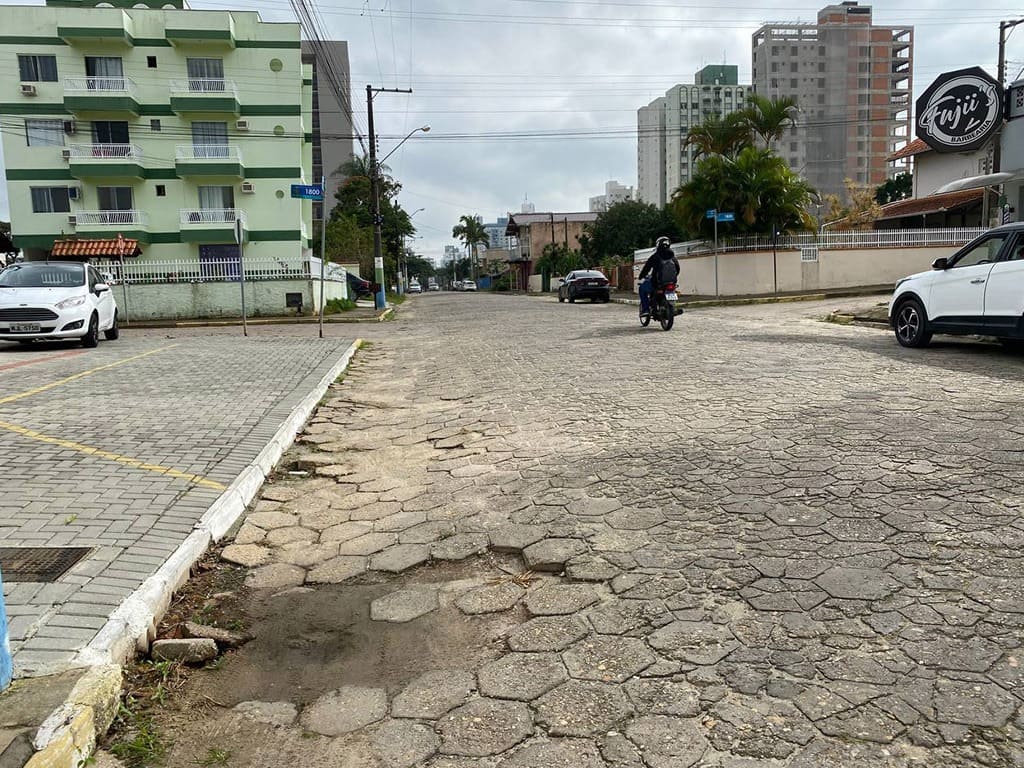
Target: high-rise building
<point x="158" y="124"/>
<point x="664" y="162"/>
<point x="613" y="193"/>
<point x="332" y="113"/>
<point x="852" y="82"/>
<point x="496" y="237"/>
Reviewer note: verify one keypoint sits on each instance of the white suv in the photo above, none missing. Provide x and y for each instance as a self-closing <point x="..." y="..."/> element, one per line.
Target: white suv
<point x="979" y="290"/>
<point x="50" y="300"/>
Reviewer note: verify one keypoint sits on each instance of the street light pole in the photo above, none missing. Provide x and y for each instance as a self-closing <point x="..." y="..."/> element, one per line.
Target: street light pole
<point x="997" y="148"/>
<point x="378" y="257"/>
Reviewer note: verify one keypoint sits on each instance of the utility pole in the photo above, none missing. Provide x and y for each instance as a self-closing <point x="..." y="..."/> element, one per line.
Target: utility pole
<point x="1001" y="77"/>
<point x="378" y="257"/>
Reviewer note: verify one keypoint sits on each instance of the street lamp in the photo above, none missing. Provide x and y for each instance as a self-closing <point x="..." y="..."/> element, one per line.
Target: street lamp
<point x="378" y="258"/>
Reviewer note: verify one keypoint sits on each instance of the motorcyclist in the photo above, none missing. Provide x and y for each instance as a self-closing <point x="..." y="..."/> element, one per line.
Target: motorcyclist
<point x="660" y="269"/>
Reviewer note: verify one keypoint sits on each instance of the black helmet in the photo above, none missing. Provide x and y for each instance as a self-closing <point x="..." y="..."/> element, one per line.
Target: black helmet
<point x="662" y="241"/>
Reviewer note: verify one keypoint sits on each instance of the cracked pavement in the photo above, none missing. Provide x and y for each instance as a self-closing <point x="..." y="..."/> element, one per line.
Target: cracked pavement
<point x="756" y="540"/>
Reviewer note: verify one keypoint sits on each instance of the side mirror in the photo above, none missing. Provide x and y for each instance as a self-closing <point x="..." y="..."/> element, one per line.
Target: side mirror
<point x="100" y="288"/>
<point x="940" y="263"/>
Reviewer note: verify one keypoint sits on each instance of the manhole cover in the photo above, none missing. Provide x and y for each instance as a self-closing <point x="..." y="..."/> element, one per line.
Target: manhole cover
<point x="38" y="563"/>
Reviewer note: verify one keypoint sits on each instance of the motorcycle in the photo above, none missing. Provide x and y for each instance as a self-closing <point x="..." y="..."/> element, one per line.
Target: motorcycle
<point x="663" y="307"/>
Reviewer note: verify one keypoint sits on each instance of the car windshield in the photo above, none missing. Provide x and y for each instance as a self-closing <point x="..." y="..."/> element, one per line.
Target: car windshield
<point x="588" y="274"/>
<point x="43" y="276"/>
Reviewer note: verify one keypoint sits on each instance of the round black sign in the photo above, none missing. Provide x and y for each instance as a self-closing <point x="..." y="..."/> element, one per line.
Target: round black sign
<point x="960" y="111"/>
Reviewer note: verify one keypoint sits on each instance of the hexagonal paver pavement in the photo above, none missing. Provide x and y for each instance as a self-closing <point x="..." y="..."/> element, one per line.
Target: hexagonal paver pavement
<point x="521" y="676"/>
<point x="484" y="727"/>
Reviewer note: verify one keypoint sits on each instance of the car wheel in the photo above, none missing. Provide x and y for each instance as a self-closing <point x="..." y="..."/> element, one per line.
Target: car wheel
<point x="572" y="299"/>
<point x="911" y="325"/>
<point x="92" y="336"/>
<point x="113" y="331"/>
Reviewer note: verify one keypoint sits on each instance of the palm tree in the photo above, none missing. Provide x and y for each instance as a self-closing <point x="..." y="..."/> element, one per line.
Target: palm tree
<point x="720" y="136"/>
<point x="769" y="118"/>
<point x="470" y="230"/>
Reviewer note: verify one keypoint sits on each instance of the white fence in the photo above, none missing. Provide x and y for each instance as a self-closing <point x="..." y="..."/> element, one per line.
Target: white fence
<point x="194" y="85"/>
<point x="823" y="241"/>
<point x="208" y="152"/>
<point x="113" y="218"/>
<point x="101" y="84"/>
<point x="211" y="216"/>
<point x="218" y="270"/>
<point x="104" y="151"/>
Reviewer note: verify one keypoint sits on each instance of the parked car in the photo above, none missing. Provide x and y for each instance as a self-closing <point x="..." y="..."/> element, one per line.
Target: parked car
<point x="432" y="285"/>
<point x="358" y="287"/>
<point x="584" y="284"/>
<point x="977" y="290"/>
<point x="415" y="287"/>
<point x="469" y="285"/>
<point x="56" y="300"/>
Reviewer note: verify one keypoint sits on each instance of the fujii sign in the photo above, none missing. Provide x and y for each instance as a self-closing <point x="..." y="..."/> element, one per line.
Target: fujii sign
<point x="960" y="111"/>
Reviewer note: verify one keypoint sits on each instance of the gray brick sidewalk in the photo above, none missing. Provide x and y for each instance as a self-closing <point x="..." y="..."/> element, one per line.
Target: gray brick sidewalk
<point x="197" y="406"/>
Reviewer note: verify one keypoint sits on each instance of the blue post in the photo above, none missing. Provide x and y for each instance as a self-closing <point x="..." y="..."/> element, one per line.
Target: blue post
<point x="6" y="663"/>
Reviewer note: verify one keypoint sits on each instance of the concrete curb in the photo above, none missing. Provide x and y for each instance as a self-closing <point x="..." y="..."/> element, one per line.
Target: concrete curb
<point x="232" y="323"/>
<point x="69" y="734"/>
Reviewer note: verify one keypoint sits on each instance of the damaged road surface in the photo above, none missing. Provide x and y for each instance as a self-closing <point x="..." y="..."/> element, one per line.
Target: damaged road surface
<point x="773" y="542"/>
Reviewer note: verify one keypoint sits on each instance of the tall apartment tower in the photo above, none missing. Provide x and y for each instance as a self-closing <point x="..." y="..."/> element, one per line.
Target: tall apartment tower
<point x="332" y="133"/>
<point x="852" y="82"/>
<point x="664" y="162"/>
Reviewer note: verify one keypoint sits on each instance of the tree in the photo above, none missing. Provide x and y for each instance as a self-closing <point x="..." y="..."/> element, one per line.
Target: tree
<point x="769" y="118"/>
<point x="899" y="187"/>
<point x="471" y="232"/>
<point x="757" y="185"/>
<point x="859" y="213"/>
<point x="623" y="228"/>
<point x="720" y="136"/>
<point x="558" y="259"/>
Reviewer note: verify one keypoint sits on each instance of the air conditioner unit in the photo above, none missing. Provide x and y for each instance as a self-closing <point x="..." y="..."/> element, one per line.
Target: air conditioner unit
<point x="72" y="220"/>
<point x="70" y="127"/>
<point x="65" y="154"/>
<point x="248" y="187"/>
<point x="27" y="89"/>
<point x="241" y="125"/>
<point x="74" y="193"/>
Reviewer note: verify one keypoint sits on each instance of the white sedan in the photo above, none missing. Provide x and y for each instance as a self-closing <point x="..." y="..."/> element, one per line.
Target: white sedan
<point x="56" y="300"/>
<point x="977" y="290"/>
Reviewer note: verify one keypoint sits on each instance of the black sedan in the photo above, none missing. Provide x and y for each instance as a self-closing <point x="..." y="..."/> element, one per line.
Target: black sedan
<point x="584" y="284"/>
<point x="359" y="287"/>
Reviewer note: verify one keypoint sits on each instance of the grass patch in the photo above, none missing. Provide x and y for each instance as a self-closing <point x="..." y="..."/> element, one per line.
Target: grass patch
<point x="141" y="743"/>
<point x="214" y="757"/>
<point x="334" y="306"/>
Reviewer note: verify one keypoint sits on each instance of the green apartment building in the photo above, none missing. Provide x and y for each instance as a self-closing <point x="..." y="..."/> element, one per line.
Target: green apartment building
<point x="156" y="124"/>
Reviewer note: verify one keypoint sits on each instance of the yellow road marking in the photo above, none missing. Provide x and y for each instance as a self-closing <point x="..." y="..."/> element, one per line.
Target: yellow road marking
<point x="125" y="460"/>
<point x="90" y="372"/>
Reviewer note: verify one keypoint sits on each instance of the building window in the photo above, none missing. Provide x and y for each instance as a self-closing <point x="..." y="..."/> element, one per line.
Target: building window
<point x="50" y="200"/>
<point x="44" y="133"/>
<point x="792" y="146"/>
<point x="793" y="50"/>
<point x="821" y="98"/>
<point x="151" y="62"/>
<point x="775" y="83"/>
<point x="863" y="98"/>
<point x="821" y="66"/>
<point x="161" y="190"/>
<point x="821" y="50"/>
<point x="775" y="66"/>
<point x="218" y="199"/>
<point x="105" y="73"/>
<point x="864" y="82"/>
<point x="775" y="50"/>
<point x="793" y="66"/>
<point x="863" y="114"/>
<point x="793" y="83"/>
<point x="821" y="82"/>
<point x="154" y="125"/>
<point x="114" y="198"/>
<point x="205" y="75"/>
<point x="34" y="68"/>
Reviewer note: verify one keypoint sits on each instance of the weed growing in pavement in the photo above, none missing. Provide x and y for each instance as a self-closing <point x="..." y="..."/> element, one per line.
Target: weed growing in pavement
<point x="141" y="744"/>
<point x="215" y="757"/>
<point x="334" y="306"/>
<point x="70" y="519"/>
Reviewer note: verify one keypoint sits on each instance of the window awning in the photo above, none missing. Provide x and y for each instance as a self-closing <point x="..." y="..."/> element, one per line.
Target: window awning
<point x="90" y="249"/>
<point x="976" y="182"/>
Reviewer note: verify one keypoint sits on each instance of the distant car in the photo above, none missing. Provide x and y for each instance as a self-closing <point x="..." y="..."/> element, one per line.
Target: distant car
<point x="468" y="285"/>
<point x="415" y="288"/>
<point x="432" y="285"/>
<point x="359" y="287"/>
<point x="584" y="284"/>
<point x="56" y="300"/>
<point x="977" y="290"/>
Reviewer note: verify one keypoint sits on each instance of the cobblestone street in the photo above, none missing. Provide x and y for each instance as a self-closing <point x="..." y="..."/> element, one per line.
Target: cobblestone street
<point x="756" y="540"/>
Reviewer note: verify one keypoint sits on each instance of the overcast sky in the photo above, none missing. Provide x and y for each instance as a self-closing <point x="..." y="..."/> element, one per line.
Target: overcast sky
<point x="537" y="99"/>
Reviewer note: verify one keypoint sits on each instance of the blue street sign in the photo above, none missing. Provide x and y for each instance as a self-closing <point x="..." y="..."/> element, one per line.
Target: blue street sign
<point x="308" y="191"/>
<point x="727" y="216"/>
<point x="710" y="214"/>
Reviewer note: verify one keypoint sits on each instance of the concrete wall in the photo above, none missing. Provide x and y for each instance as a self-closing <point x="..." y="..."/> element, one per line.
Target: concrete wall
<point x="188" y="301"/>
<point x="750" y="273"/>
<point x="932" y="169"/>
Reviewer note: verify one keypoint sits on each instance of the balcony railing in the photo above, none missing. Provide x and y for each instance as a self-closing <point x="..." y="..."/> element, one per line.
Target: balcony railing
<point x="213" y="86"/>
<point x="104" y="151"/>
<point x="111" y="218"/>
<point x="220" y="152"/>
<point x="206" y="216"/>
<point x="99" y="86"/>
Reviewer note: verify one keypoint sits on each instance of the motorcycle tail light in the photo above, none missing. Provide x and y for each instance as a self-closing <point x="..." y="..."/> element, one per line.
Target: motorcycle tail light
<point x="670" y="287"/>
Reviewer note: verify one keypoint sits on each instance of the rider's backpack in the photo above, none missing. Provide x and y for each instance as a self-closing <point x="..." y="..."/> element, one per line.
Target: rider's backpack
<point x="666" y="272"/>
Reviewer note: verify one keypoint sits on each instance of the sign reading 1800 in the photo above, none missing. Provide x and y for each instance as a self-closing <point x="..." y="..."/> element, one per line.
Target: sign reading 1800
<point x="960" y="111"/>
